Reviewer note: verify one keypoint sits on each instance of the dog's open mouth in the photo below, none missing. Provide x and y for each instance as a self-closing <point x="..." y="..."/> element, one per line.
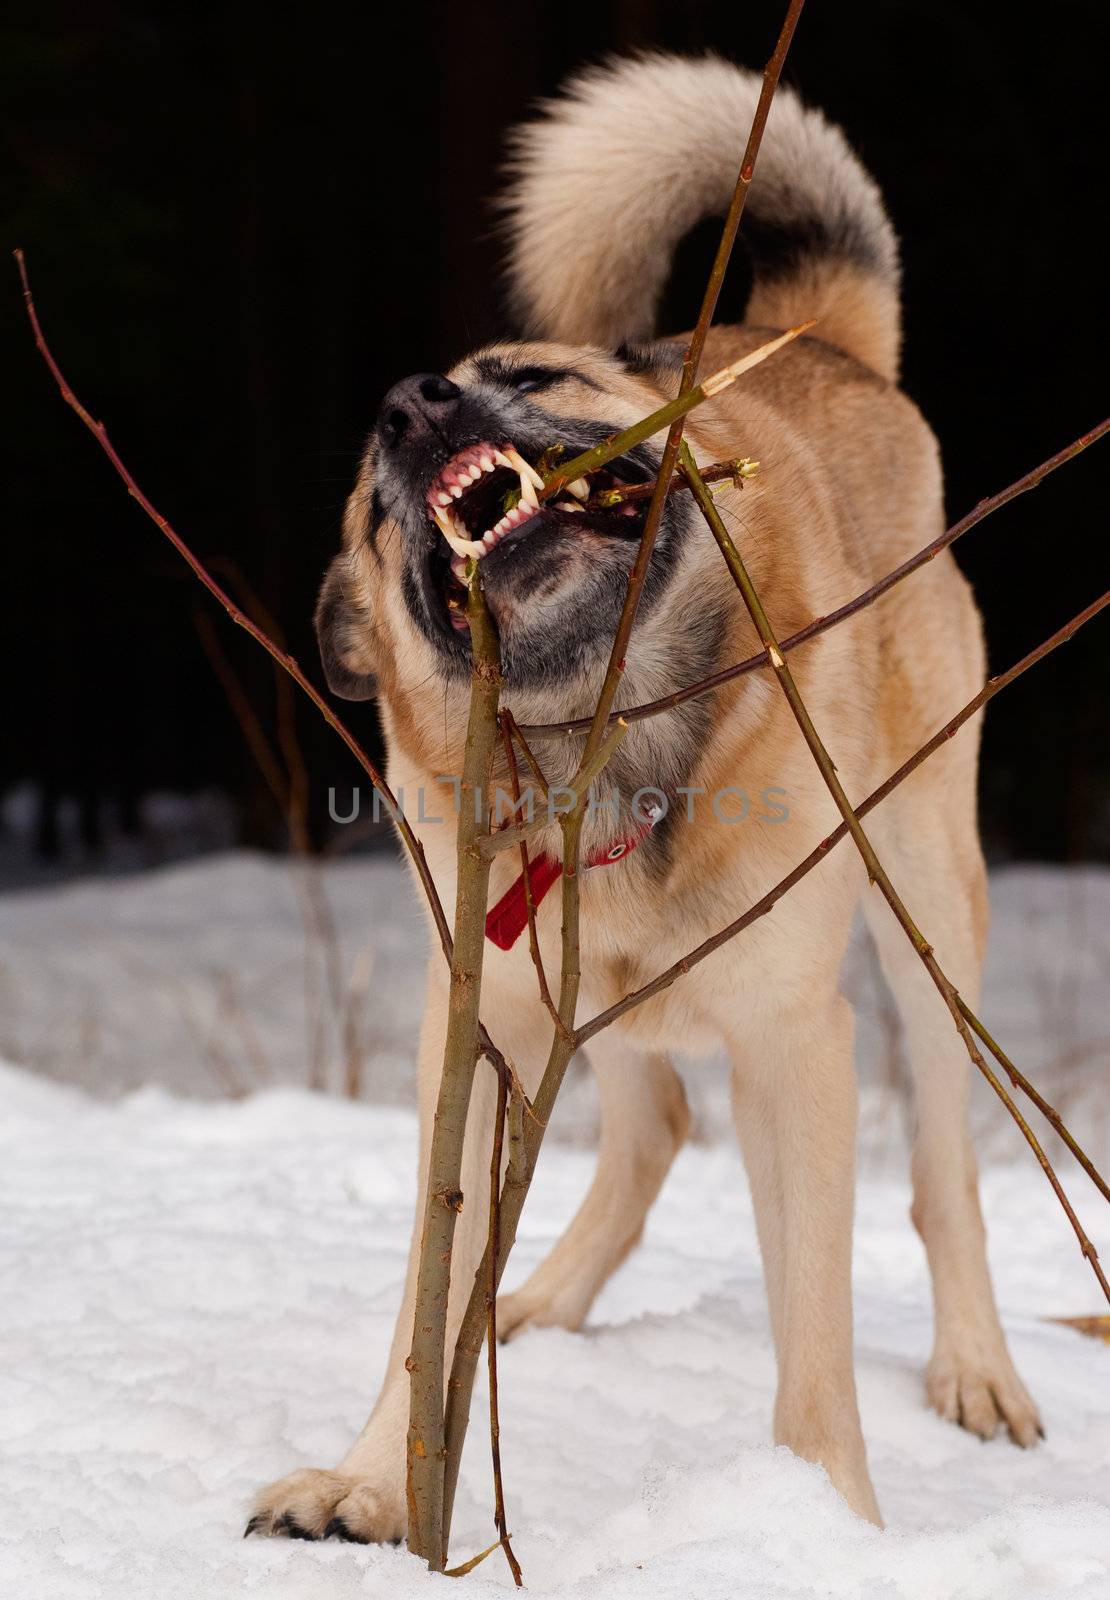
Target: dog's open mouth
<point x="487" y="493"/>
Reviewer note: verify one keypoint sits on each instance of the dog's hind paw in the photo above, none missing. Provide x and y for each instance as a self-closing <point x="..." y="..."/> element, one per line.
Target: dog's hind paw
<point x="314" y="1504"/>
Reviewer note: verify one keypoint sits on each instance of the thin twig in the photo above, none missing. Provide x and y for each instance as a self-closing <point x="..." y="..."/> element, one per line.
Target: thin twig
<point x="577" y="791"/>
<point x="526" y="874"/>
<point x="282" y="658"/>
<point x="632" y="493"/>
<point x="690" y="364"/>
<point x="526" y="749"/>
<point x="875" y="869"/>
<point x="1049" y="1112"/>
<point x="767" y="902"/>
<point x="716" y="680"/>
<point x="239" y="617"/>
<point x="668" y="415"/>
<point x="491" y="1325"/>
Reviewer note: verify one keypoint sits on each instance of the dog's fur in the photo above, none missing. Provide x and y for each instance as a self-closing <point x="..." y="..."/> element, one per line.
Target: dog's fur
<point x="606" y="183"/>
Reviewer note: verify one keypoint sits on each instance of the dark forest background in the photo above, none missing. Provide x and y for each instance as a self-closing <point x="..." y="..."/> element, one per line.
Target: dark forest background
<point x="244" y="223"/>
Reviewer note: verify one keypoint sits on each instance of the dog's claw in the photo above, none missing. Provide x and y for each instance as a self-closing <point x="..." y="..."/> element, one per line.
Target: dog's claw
<point x="292" y="1529"/>
<point x="253" y="1526"/>
<point x="338" y="1529"/>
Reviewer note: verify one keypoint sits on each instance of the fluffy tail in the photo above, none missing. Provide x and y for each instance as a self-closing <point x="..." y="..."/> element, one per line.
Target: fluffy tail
<point x="633" y="153"/>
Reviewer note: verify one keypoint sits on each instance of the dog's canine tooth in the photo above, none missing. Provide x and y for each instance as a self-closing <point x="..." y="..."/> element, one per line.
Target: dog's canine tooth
<point x="580" y="488"/>
<point x="524" y="468"/>
<point x="461" y="545"/>
<point x="569" y="505"/>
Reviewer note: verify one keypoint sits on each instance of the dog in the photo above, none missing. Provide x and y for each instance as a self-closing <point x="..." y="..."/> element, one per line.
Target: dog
<point x="605" y="183"/>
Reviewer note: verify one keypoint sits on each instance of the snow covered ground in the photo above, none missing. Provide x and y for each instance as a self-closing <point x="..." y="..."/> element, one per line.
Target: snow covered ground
<point x="197" y="1293"/>
<point x="199" y="1297"/>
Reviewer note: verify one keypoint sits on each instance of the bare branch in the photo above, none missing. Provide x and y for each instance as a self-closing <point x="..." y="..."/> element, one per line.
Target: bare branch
<point x="281" y="657"/>
<point x="632" y="493"/>
<point x="717" y="680"/>
<point x="875" y="869"/>
<point x="526" y="872"/>
<point x="767" y="902"/>
<point x="491" y="1324"/>
<point x="671" y="413"/>
<point x="692" y="361"/>
<point x="427" y="1535"/>
<point x="1049" y="1112"/>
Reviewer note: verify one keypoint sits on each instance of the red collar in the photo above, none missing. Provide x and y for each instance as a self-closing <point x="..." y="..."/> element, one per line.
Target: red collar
<point x="506" y="921"/>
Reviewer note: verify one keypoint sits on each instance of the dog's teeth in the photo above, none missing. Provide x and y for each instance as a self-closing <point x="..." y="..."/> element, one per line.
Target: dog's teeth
<point x="460" y="544"/>
<point x="580" y="487"/>
<point x="456" y="491"/>
<point x="475" y="473"/>
<point x="524" y="468"/>
<point x="487" y="463"/>
<point x="443" y="499"/>
<point x="569" y="505"/>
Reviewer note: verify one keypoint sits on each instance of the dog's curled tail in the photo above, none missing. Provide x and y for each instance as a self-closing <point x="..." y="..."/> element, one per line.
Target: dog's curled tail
<point x="633" y="153"/>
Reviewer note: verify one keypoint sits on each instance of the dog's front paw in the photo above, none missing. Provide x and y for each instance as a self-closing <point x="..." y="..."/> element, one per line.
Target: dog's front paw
<point x="980" y="1392"/>
<point x="314" y="1504"/>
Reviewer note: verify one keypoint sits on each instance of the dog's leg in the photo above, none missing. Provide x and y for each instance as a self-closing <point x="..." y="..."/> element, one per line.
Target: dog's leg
<point x="363" y="1499"/>
<point x="794" y="1100"/>
<point x="970" y="1378"/>
<point x="644" y="1121"/>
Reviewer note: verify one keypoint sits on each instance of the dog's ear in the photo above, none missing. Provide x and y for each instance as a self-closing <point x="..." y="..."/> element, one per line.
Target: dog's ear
<point x="344" y="637"/>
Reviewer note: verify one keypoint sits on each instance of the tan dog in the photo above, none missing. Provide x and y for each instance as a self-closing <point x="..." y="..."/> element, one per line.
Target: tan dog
<point x="849" y="485"/>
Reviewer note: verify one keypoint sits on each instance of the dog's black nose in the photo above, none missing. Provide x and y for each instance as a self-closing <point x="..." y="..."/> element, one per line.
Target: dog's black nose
<point x="415" y="406"/>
